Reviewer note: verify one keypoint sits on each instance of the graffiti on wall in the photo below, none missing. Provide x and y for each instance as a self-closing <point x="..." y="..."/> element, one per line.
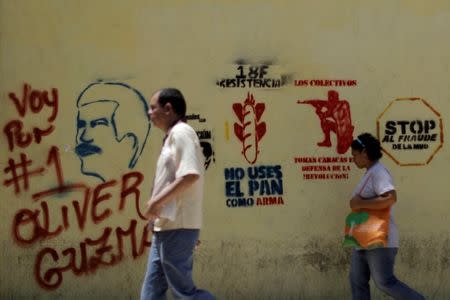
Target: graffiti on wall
<point x="334" y="115"/>
<point x="254" y="186"/>
<point x="105" y="129"/>
<point x="254" y="75"/>
<point x="410" y="131"/>
<point x="324" y="167"/>
<point x="206" y="138"/>
<point x="250" y="129"/>
<point x="325" y="82"/>
<point x="32" y="101"/>
<point x="87" y="212"/>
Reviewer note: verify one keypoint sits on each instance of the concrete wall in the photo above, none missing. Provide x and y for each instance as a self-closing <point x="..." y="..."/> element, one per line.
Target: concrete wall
<point x="70" y="227"/>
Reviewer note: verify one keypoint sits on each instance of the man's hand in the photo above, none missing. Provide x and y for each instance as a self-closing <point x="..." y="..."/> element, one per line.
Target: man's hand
<point x="156" y="203"/>
<point x="152" y="210"/>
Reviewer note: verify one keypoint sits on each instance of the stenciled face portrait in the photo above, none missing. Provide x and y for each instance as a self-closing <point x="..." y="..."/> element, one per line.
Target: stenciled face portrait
<point x="111" y="130"/>
<point x="97" y="138"/>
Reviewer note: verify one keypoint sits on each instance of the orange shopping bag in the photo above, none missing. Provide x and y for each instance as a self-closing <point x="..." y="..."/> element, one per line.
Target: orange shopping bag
<point x="367" y="228"/>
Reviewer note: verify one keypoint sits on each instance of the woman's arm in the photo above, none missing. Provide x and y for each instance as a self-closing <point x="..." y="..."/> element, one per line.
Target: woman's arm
<point x="379" y="202"/>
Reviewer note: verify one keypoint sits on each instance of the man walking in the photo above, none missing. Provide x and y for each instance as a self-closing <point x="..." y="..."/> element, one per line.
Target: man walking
<point x="175" y="206"/>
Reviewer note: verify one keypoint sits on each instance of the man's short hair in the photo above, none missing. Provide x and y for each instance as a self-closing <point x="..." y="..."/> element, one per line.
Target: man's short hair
<point x="175" y="98"/>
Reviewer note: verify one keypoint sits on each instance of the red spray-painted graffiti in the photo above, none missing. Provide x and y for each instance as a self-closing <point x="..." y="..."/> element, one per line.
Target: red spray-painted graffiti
<point x="250" y="130"/>
<point x="45" y="219"/>
<point x="334" y="115"/>
<point x="14" y="131"/>
<point x="35" y="100"/>
<point x="97" y="205"/>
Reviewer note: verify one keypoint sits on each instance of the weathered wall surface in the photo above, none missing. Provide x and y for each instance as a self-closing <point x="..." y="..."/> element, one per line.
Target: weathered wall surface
<point x="266" y="83"/>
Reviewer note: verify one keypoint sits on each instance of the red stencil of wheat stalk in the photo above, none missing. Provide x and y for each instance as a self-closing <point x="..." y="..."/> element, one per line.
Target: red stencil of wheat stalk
<point x="250" y="130"/>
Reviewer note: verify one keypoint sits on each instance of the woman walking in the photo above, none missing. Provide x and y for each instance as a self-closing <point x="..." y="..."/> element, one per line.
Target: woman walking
<point x="375" y="191"/>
